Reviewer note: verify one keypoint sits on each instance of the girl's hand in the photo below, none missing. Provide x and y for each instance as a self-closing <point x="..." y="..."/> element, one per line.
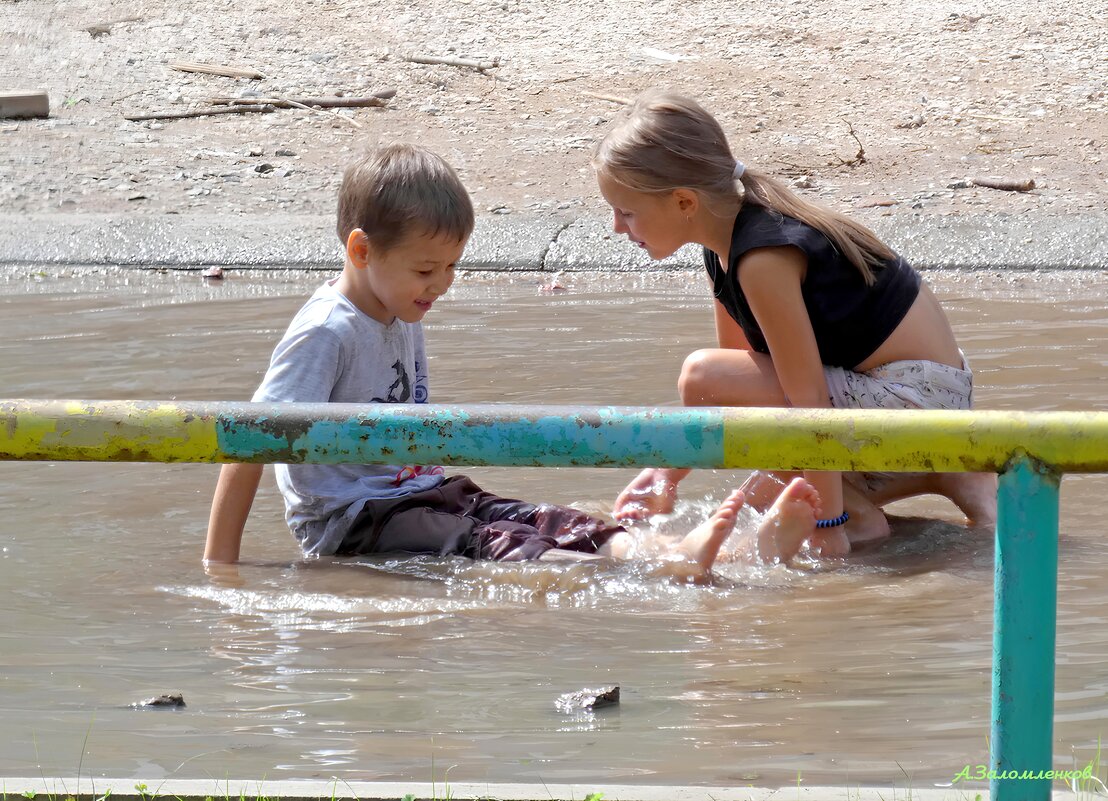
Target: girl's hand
<point x="653" y="492"/>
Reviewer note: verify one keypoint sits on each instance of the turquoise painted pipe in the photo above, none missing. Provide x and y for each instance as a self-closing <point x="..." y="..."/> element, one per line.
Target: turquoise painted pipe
<point x="1025" y="603"/>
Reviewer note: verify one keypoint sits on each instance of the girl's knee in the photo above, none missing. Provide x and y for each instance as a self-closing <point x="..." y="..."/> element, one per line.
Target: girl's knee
<point x="697" y="380"/>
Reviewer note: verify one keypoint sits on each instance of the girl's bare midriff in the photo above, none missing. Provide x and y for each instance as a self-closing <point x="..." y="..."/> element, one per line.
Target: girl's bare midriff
<point x="923" y="334"/>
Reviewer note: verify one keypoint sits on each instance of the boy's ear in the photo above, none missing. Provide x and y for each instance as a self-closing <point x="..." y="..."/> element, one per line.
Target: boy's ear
<point x="357" y="248"/>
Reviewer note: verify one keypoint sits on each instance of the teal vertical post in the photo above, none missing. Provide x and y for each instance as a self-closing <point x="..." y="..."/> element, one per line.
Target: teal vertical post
<point x="1024" y="619"/>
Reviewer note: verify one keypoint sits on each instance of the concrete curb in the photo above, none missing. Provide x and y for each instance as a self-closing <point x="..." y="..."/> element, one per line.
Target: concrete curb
<point x="518" y="242"/>
<point x="198" y="790"/>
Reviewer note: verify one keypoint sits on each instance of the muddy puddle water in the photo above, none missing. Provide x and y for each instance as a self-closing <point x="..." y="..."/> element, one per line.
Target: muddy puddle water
<point x="869" y="672"/>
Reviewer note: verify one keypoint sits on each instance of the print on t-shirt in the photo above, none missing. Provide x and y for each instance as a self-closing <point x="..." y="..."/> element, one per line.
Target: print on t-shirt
<point x="400" y="391"/>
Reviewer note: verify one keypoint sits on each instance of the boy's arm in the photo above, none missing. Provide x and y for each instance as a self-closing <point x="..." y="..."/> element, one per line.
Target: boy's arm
<point x="234" y="495"/>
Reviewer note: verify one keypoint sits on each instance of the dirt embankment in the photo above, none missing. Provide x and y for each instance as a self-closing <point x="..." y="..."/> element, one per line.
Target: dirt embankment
<point x="881" y="107"/>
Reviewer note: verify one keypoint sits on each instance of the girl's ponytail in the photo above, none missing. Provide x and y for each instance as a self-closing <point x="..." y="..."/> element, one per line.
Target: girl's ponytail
<point x="858" y="244"/>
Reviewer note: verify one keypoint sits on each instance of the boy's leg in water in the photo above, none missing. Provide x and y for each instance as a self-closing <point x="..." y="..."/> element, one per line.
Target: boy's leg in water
<point x="509" y="529"/>
<point x="699" y="548"/>
<point x="789" y="521"/>
<point x="577" y="531"/>
<point x="702" y="544"/>
<point x="441" y="522"/>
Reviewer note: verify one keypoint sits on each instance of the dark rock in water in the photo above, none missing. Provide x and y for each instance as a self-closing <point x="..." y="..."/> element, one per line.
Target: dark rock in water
<point x="169" y="701"/>
<point x="587" y="700"/>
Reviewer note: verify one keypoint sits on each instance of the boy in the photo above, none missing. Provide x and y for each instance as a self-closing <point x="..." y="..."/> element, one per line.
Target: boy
<point x="404" y="218"/>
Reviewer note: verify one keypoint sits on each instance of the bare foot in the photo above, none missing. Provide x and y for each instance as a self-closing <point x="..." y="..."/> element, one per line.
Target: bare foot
<point x="702" y="544"/>
<point x="788" y="523"/>
<point x="973" y="493"/>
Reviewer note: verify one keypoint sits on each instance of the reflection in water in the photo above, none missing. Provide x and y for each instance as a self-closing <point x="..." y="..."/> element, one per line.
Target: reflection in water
<point x="372" y="668"/>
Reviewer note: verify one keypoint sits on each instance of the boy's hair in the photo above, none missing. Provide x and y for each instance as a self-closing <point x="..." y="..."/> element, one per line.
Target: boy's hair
<point x="667" y="141"/>
<point x="398" y="189"/>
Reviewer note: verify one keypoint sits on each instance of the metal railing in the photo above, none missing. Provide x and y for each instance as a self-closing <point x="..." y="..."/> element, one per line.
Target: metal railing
<point x="1029" y="450"/>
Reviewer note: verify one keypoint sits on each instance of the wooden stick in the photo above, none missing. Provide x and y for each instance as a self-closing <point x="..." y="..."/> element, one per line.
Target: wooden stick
<point x="203" y="112"/>
<point x="623" y="101"/>
<point x="248" y="102"/>
<point x="990" y="117"/>
<point x="295" y="104"/>
<point x="131" y="94"/>
<point x="377" y="99"/>
<point x="215" y="69"/>
<point x="1005" y="184"/>
<point x="451" y="61"/>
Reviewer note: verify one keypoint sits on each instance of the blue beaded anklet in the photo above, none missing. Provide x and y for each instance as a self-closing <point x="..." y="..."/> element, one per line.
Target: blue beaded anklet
<point x="834" y="521"/>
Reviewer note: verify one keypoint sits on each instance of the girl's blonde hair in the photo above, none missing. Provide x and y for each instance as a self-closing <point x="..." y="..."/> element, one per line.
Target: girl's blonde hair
<point x="667" y="141"/>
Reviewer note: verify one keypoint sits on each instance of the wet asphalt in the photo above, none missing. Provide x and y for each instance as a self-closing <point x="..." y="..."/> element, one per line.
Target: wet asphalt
<point x="517" y="242"/>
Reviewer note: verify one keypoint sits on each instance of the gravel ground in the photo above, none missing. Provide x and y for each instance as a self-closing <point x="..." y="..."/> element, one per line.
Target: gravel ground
<point x="934" y="93"/>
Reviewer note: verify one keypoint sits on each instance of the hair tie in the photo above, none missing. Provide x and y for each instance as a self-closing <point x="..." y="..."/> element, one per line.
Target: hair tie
<point x="740" y="168"/>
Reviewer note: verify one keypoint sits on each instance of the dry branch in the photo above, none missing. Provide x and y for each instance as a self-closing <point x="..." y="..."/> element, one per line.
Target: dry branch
<point x="215" y="69"/>
<point x="623" y="101"/>
<point x="377" y="99"/>
<point x="991" y="118"/>
<point x="1005" y="184"/>
<point x="203" y="112"/>
<point x="860" y="156"/>
<point x="451" y="61"/>
<point x="347" y="120"/>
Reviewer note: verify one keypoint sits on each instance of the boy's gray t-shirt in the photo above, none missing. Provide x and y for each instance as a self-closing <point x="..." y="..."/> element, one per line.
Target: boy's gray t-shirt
<point x="333" y="352"/>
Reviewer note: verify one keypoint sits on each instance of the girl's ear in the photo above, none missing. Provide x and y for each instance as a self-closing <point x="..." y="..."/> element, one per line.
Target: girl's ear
<point x="357" y="248"/>
<point x="688" y="201"/>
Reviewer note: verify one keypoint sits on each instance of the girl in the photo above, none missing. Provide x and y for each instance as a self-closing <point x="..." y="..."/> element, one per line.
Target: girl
<point x="811" y="310"/>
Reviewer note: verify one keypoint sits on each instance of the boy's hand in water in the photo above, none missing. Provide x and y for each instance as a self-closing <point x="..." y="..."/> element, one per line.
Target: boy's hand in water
<point x="653" y="492"/>
<point x="223" y="574"/>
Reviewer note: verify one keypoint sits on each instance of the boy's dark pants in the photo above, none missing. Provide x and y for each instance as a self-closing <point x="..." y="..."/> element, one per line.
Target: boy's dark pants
<point x="458" y="517"/>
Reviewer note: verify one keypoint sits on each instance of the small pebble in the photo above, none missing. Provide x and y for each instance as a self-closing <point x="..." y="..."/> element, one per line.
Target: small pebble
<point x="587" y="700"/>
<point x="912" y="122"/>
<point x="167" y="701"/>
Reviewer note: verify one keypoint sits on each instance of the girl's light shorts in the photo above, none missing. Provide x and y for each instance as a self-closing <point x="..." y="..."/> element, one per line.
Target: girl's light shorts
<point x="899" y="385"/>
<point x="902" y="385"/>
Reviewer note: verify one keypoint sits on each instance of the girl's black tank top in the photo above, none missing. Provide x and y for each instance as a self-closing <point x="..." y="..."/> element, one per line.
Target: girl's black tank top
<point x="850" y="319"/>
